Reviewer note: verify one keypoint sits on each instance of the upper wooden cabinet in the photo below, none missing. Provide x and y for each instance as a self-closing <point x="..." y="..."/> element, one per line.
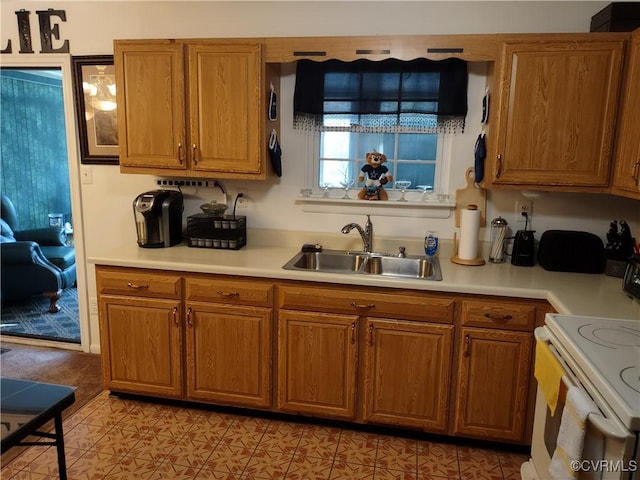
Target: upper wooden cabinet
<point x="626" y="179"/>
<point x="191" y="108"/>
<point x="556" y="112"/>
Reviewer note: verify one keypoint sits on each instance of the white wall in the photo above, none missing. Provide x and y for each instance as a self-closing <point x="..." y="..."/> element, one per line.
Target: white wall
<point x="91" y="28"/>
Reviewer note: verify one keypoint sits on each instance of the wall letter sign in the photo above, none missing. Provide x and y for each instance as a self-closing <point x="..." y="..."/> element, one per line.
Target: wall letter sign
<point x="48" y="32"/>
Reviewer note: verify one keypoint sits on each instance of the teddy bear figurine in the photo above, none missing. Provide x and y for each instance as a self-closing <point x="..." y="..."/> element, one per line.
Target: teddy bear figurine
<point x="375" y="175"/>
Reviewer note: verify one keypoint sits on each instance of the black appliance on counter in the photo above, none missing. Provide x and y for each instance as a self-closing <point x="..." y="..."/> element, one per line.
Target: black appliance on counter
<point x="571" y="251"/>
<point x="158" y="216"/>
<point x="523" y="249"/>
<point x="631" y="281"/>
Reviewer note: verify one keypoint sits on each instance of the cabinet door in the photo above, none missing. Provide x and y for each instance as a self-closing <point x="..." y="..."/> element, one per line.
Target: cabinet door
<point x="141" y="345"/>
<point x="225" y="108"/>
<point x="493" y="378"/>
<point x="557" y="113"/>
<point x="626" y="180"/>
<point x="407" y="373"/>
<point x="229" y="354"/>
<point x="317" y="363"/>
<point x="151" y="105"/>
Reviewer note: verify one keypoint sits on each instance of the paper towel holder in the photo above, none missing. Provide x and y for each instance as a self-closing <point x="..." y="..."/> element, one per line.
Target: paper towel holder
<point x="463" y="261"/>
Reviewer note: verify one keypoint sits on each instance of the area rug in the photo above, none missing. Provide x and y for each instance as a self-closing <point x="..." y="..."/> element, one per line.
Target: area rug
<point x="31" y="318"/>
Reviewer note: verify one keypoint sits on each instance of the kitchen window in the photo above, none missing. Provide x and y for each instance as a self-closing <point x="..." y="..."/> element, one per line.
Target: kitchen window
<point x="401" y="109"/>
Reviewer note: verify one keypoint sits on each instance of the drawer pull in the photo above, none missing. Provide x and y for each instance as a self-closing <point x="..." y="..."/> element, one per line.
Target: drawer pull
<point x="194" y="154"/>
<point x="228" y="294"/>
<point x="371" y="334"/>
<point x="137" y="287"/>
<point x="353" y="332"/>
<point x="467" y="344"/>
<point x="499" y="166"/>
<point x="498" y="318"/>
<point x="366" y="306"/>
<point x="175" y="316"/>
<point x="189" y="319"/>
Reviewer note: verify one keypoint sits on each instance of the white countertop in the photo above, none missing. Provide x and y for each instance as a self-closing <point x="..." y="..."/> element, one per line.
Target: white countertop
<point x="568" y="293"/>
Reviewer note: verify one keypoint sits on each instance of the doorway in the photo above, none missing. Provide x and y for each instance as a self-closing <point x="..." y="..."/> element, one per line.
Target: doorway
<point x="40" y="173"/>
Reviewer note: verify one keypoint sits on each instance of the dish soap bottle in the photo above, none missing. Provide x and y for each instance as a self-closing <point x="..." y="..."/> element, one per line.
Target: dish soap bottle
<point x="431" y="244"/>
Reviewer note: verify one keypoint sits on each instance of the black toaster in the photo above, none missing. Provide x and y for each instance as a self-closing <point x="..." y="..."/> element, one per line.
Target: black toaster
<point x="571" y="251"/>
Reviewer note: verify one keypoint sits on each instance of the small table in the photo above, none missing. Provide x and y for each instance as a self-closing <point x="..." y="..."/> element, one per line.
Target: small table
<point x="25" y="406"/>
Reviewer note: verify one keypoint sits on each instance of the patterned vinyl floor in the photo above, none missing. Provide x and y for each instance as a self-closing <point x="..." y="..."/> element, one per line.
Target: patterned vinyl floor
<point x="114" y="438"/>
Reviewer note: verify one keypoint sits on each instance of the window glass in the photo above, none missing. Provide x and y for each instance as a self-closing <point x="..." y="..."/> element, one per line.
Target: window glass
<point x="410" y="156"/>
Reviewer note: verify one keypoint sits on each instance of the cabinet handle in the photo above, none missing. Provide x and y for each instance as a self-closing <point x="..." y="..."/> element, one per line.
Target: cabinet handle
<point x="636" y="170"/>
<point x="180" y="153"/>
<point x="371" y="334"/>
<point x="228" y="294"/>
<point x="189" y="319"/>
<point x="175" y="316"/>
<point x="498" y="318"/>
<point x="499" y="172"/>
<point x="467" y="344"/>
<point x="366" y="306"/>
<point x="353" y="332"/>
<point x="194" y="147"/>
<point x="136" y="286"/>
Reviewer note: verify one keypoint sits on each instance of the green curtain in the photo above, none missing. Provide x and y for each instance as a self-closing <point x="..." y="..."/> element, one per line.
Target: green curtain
<point x="33" y="148"/>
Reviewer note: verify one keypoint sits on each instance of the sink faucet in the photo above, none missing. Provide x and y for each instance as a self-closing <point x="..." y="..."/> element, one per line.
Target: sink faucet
<point x="366" y="233"/>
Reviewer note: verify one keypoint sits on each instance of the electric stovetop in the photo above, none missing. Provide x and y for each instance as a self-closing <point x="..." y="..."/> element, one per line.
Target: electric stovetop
<point x="608" y="352"/>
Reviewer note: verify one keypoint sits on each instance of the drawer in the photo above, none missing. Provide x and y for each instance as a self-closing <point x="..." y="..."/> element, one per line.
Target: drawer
<point x="139" y="283"/>
<point x="498" y="314"/>
<point x="368" y="302"/>
<point x="233" y="290"/>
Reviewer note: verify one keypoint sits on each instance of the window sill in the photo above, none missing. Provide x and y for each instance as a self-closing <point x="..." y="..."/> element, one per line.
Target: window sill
<point x="389" y="208"/>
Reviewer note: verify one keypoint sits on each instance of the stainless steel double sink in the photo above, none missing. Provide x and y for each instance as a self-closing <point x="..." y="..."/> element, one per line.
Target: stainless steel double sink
<point x="339" y="261"/>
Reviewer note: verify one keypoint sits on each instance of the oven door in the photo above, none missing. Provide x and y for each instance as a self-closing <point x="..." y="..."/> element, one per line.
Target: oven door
<point x="609" y="447"/>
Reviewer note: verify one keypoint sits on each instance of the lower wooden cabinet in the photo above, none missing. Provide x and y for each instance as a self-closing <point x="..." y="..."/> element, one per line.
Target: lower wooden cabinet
<point x="141" y="345"/>
<point x="492" y="384"/>
<point x="450" y="364"/>
<point x="407" y="373"/>
<point x="317" y="356"/>
<point x="218" y="351"/>
<point x="228" y="354"/>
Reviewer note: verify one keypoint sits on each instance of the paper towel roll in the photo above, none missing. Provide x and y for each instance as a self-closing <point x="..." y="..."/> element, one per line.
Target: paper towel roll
<point x="469" y="231"/>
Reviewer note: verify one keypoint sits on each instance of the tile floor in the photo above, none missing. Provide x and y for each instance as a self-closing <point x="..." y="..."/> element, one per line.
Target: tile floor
<point x="113" y="438"/>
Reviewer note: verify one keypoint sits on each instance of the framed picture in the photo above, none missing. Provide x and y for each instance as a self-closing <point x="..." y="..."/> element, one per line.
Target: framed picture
<point x="96" y="108"/>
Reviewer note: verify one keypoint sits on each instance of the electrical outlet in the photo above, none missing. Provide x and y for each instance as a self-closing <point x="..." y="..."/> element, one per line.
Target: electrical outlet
<point x="243" y="201"/>
<point x="523" y="207"/>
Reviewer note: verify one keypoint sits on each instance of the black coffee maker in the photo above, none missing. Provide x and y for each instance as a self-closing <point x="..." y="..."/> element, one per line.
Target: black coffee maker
<point x="158" y="216"/>
<point x="523" y="249"/>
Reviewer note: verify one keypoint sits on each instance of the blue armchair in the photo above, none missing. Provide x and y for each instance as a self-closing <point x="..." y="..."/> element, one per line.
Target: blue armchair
<point x="35" y="261"/>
